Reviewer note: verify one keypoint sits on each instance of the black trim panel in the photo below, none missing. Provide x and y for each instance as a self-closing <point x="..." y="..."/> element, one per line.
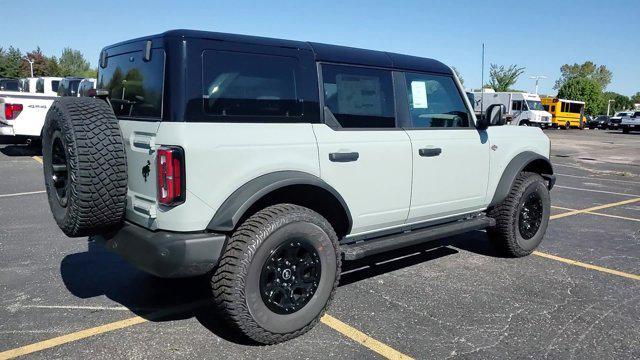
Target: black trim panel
<point x="163" y="253"/>
<point x="230" y="212"/>
<point x="515" y="166"/>
<point x="363" y="249"/>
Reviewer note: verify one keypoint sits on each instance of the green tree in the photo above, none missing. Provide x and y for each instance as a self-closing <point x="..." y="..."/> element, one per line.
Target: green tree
<point x="636" y="98"/>
<point x="502" y="78"/>
<point x="620" y="102"/>
<point x="458" y="75"/>
<point x="587" y="90"/>
<point x="42" y="64"/>
<point x="588" y="70"/>
<point x="10" y="61"/>
<point x="73" y="63"/>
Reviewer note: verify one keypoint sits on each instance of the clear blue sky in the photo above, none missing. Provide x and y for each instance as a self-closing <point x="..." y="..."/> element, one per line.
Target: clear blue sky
<point x="539" y="35"/>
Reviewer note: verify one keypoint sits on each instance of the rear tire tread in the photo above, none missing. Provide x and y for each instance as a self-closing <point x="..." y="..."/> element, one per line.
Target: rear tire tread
<point x="228" y="281"/>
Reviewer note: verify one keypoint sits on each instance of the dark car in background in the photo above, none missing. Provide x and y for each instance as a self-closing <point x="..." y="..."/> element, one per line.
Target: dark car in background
<point x="598" y="122"/>
<point x="7" y="84"/>
<point x="69" y="86"/>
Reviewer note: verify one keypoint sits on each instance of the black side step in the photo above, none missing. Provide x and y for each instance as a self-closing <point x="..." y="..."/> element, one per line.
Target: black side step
<point x="366" y="248"/>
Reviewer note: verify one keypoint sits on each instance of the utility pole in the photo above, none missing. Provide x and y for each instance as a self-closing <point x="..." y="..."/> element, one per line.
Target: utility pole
<point x="609" y="106"/>
<point x="482" y="85"/>
<point x="537" y="78"/>
<point x="30" y="64"/>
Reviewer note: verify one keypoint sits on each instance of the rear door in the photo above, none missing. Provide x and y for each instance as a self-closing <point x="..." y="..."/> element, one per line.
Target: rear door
<point x="135" y="90"/>
<point x="363" y="154"/>
<point x="450" y="157"/>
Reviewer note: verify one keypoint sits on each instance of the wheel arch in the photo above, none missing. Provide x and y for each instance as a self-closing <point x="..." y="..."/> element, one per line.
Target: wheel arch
<point x="525" y="161"/>
<point x="293" y="187"/>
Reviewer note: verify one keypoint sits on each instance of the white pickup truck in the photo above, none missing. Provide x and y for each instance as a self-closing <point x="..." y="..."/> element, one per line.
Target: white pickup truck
<point x="22" y="114"/>
<point x="630" y="122"/>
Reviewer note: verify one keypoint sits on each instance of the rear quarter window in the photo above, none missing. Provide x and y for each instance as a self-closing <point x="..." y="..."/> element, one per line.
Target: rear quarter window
<point x="247" y="86"/>
<point x="135" y="86"/>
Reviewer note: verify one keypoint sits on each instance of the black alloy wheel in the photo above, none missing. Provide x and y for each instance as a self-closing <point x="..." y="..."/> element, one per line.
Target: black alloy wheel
<point x="290" y="276"/>
<point x="60" y="169"/>
<point x="530" y="217"/>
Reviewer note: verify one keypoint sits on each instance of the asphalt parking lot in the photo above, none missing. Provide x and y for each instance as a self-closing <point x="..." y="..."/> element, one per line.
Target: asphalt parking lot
<point x="577" y="297"/>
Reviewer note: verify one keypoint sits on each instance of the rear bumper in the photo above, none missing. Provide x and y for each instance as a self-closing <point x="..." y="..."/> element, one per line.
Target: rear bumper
<point x="163" y="253"/>
<point x="6" y="130"/>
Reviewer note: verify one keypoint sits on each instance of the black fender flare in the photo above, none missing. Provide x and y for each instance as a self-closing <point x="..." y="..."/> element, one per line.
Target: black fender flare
<point x="515" y="166"/>
<point x="233" y="208"/>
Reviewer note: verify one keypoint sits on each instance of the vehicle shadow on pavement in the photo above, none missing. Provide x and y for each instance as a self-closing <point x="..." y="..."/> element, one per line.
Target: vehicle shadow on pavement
<point x="98" y="272"/>
<point x="475" y="242"/>
<point x="21" y="150"/>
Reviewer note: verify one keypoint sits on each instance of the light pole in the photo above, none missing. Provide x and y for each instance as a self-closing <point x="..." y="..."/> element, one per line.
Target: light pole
<point x="609" y="106"/>
<point x="537" y="78"/>
<point x="30" y="64"/>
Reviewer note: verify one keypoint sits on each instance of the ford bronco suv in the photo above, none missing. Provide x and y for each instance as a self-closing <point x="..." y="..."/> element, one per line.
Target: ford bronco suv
<point x="266" y="163"/>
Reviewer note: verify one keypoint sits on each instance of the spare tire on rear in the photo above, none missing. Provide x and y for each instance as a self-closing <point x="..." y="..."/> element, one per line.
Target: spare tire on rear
<point x="85" y="166"/>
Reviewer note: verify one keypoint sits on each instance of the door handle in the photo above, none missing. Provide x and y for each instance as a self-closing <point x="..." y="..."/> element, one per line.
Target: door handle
<point x="427" y="152"/>
<point x="343" y="156"/>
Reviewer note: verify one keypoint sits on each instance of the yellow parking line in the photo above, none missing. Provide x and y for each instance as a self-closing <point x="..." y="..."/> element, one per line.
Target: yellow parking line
<point x="595" y="208"/>
<point x="82" y="334"/>
<point x="362" y="338"/>
<point x="56" y="341"/>
<point x="598" y="213"/>
<point x="587" y="266"/>
<point x="591" y="211"/>
<point x="37" y="158"/>
<point x="337" y="325"/>
<point x="562" y="208"/>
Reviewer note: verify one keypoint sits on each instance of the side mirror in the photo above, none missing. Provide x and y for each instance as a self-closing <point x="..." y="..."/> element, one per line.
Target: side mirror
<point x="491" y="117"/>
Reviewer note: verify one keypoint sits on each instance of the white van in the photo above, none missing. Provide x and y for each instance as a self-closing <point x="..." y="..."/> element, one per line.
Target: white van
<point x="521" y="108"/>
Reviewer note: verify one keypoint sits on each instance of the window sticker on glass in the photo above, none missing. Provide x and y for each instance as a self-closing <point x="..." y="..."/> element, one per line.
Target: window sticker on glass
<point x="359" y="94"/>
<point x="419" y="95"/>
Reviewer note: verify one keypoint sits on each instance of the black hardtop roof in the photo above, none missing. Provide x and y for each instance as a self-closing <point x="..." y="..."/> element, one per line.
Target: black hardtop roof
<point x="322" y="52"/>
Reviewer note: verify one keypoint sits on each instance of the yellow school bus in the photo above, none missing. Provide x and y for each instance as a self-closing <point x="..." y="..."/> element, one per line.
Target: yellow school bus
<point x="565" y="113"/>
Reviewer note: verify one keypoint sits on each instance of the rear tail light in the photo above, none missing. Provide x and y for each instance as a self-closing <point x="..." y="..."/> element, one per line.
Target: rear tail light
<point x="171" y="180"/>
<point x="11" y="111"/>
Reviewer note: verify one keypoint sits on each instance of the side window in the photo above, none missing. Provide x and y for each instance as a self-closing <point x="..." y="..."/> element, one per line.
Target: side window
<point x="250" y="85"/>
<point x="545" y="107"/>
<point x="40" y="85"/>
<point x="575" y="108"/>
<point x="54" y="85"/>
<point x="435" y="102"/>
<point x="553" y="108"/>
<point x="359" y="97"/>
<point x="516" y="105"/>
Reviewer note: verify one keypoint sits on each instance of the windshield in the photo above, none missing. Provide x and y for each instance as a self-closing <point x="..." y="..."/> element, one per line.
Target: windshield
<point x="535" y="105"/>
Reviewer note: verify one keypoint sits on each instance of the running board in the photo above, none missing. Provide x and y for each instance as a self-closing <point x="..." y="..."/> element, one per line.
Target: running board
<point x="366" y="248"/>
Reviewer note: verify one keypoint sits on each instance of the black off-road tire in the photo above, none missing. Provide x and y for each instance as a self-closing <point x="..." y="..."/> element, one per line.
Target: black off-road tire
<point x="235" y="282"/>
<point x="506" y="235"/>
<point x="95" y="189"/>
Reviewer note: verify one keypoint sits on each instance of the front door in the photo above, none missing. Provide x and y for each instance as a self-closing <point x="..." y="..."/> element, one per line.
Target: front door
<point x="363" y="154"/>
<point x="450" y="157"/>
